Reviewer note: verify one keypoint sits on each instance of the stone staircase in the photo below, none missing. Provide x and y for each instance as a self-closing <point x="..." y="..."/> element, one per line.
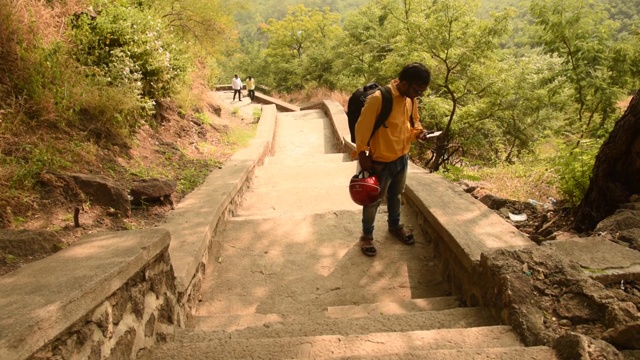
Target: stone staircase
<point x="286" y="278"/>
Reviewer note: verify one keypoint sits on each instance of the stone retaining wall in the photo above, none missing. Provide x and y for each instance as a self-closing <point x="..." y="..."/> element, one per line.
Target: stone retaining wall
<point x="129" y="322"/>
<point x="109" y="295"/>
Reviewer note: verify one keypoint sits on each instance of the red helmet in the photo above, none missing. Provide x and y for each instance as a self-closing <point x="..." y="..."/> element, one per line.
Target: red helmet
<point x="364" y="190"/>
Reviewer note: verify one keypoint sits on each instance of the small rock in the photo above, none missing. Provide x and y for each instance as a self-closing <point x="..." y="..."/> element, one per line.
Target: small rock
<point x="625" y="336"/>
<point x="573" y="346"/>
<point x="565" y="323"/>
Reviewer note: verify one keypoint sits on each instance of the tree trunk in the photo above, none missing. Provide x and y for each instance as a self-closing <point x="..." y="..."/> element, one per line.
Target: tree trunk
<point x="616" y="172"/>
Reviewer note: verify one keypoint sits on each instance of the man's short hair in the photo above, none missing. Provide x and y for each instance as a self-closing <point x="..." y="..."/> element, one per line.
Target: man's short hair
<point x="415" y="73"/>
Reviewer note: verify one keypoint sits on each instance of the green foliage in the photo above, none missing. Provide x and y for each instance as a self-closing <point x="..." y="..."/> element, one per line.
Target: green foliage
<point x="296" y="52"/>
<point x="191" y="177"/>
<point x="573" y="166"/>
<point x="203" y="117"/>
<point x="126" y="47"/>
<point x="368" y="41"/>
<point x="505" y="123"/>
<point x="28" y="161"/>
<point x="456" y="173"/>
<point x="240" y="137"/>
<point x="595" y="67"/>
<point x="257" y="113"/>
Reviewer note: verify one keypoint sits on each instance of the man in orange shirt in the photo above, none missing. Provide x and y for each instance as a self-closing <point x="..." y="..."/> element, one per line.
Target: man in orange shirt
<point x="385" y="155"/>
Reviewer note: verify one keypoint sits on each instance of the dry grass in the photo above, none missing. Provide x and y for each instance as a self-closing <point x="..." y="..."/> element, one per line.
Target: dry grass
<point x="519" y="182"/>
<point x="43" y="22"/>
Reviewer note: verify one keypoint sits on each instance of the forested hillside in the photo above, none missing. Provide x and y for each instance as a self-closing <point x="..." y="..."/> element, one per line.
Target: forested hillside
<point x="522" y="90"/>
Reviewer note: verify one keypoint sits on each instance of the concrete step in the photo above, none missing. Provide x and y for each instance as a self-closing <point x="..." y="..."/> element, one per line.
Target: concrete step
<point x="295" y="201"/>
<point x="393" y="307"/>
<point x="305" y="132"/>
<point x="277" y="326"/>
<point x="301" y="265"/>
<point x="337" y="346"/>
<point x="336" y="174"/>
<point x="308" y="160"/>
<point x="510" y="353"/>
<point x="301" y="115"/>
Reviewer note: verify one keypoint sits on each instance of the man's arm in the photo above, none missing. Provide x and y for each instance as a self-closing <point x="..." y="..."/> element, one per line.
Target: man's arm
<point x="418" y="132"/>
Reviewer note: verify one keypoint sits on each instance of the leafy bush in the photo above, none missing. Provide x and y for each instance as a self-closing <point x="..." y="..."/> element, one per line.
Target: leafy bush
<point x="573" y="166"/>
<point x="126" y="46"/>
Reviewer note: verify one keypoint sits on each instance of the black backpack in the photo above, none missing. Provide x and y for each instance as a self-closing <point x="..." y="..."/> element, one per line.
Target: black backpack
<point x="356" y="103"/>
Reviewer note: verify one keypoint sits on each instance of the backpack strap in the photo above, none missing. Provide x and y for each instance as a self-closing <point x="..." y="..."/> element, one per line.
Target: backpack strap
<point x="387" y="104"/>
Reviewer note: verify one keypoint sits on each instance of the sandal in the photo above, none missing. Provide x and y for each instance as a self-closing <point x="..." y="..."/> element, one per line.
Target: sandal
<point x="402" y="234"/>
<point x="366" y="245"/>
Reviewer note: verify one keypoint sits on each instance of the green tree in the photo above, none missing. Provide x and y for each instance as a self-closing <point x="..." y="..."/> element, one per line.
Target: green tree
<point x="459" y="48"/>
<point x="296" y="52"/>
<point x="366" y="48"/>
<point x="594" y="66"/>
<point x="514" y="112"/>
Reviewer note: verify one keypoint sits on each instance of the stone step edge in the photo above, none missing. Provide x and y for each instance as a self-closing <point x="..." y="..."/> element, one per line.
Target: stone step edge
<point x="336" y="346"/>
<point x="262" y="215"/>
<point x="308" y="160"/>
<point x="303" y="113"/>
<point x="503" y="353"/>
<point x="394" y="307"/>
<point x="278" y="325"/>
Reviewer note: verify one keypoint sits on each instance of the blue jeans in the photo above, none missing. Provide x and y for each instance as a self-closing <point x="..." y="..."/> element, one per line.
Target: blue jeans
<point x="392" y="177"/>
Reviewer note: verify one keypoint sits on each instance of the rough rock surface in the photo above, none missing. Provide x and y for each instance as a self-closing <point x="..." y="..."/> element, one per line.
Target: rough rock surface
<point x="30" y="243"/>
<point x="103" y="191"/>
<point x="152" y="190"/>
<point x="544" y="297"/>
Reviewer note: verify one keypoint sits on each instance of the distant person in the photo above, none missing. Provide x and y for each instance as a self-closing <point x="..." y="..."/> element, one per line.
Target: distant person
<point x="385" y="155"/>
<point x="236" y="85"/>
<point x="251" y="88"/>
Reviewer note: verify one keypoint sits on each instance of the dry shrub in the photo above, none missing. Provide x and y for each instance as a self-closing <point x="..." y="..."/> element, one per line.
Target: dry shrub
<point x="27" y="28"/>
<point x="8" y="46"/>
<point x="194" y="96"/>
<point x="43" y="22"/>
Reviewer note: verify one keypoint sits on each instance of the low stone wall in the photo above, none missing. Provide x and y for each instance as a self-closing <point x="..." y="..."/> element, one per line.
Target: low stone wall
<point x="110" y="295"/>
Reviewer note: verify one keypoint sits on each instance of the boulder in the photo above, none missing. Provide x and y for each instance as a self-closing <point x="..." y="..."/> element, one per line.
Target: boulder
<point x="573" y="346"/>
<point x="625" y="336"/>
<point x="152" y="191"/>
<point x="622" y="219"/>
<point x="493" y="202"/>
<point x="25" y="243"/>
<point x="103" y="192"/>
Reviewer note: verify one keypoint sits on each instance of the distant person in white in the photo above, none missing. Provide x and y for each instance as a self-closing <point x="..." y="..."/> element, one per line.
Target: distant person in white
<point x="236" y="85"/>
